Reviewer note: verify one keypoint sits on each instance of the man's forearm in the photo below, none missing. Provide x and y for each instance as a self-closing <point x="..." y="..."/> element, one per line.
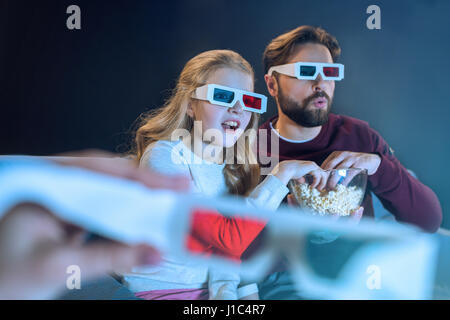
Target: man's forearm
<point x="405" y="197"/>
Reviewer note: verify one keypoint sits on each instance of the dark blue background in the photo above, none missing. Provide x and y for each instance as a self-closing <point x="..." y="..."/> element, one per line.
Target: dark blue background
<point x="63" y="90"/>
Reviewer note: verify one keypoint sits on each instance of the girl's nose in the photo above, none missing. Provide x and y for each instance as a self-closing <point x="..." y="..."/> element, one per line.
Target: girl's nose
<point x="237" y="108"/>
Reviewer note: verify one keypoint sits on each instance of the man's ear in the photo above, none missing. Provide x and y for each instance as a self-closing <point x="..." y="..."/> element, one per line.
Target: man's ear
<point x="272" y="85"/>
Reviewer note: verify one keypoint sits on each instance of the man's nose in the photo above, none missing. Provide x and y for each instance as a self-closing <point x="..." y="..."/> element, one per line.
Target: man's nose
<point x="318" y="83"/>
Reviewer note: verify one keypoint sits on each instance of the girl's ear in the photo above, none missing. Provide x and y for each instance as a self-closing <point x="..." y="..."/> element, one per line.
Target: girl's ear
<point x="190" y="110"/>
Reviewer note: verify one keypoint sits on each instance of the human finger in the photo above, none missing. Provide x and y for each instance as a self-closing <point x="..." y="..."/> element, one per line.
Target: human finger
<point x="349" y="175"/>
<point x="301" y="180"/>
<point x="315" y="175"/>
<point x="332" y="156"/>
<point x="338" y="176"/>
<point x="333" y="180"/>
<point x="106" y="256"/>
<point x="291" y="200"/>
<point x="323" y="180"/>
<point x="356" y="216"/>
<point x="126" y="169"/>
<point x="334" y="159"/>
<point x="318" y="178"/>
<point x="302" y="168"/>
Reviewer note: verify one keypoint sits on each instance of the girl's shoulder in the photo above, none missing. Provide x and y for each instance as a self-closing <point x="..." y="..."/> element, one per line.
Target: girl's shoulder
<point x="165" y="157"/>
<point x="162" y="145"/>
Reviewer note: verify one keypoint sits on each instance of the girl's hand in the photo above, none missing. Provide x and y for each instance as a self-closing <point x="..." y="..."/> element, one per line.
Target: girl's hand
<point x="297" y="169"/>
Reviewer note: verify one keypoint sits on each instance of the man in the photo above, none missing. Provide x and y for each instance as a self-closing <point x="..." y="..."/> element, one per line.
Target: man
<point x="308" y="131"/>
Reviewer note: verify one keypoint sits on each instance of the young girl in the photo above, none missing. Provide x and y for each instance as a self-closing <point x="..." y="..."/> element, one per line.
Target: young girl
<point x="190" y="110"/>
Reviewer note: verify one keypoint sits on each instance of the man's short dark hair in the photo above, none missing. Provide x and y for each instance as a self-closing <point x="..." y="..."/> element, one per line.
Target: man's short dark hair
<point x="282" y="47"/>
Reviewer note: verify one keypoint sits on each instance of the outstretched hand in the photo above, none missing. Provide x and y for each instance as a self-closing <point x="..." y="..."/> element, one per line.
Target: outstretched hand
<point x="36" y="247"/>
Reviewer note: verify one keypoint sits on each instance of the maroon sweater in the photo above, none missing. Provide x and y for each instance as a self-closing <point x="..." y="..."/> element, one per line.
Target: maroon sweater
<point x="403" y="195"/>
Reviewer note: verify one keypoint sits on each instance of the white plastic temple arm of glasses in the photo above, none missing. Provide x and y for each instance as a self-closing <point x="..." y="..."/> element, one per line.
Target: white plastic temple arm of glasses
<point x="287" y="69"/>
<point x="201" y="92"/>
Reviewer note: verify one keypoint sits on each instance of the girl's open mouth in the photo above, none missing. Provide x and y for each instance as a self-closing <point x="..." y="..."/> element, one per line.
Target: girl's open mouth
<point x="231" y="125"/>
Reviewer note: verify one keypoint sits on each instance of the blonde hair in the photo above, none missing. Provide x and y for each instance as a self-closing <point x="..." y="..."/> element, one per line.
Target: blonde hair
<point x="243" y="173"/>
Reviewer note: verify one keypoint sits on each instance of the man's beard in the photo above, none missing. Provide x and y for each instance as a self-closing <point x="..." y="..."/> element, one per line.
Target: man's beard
<point x="301" y="114"/>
